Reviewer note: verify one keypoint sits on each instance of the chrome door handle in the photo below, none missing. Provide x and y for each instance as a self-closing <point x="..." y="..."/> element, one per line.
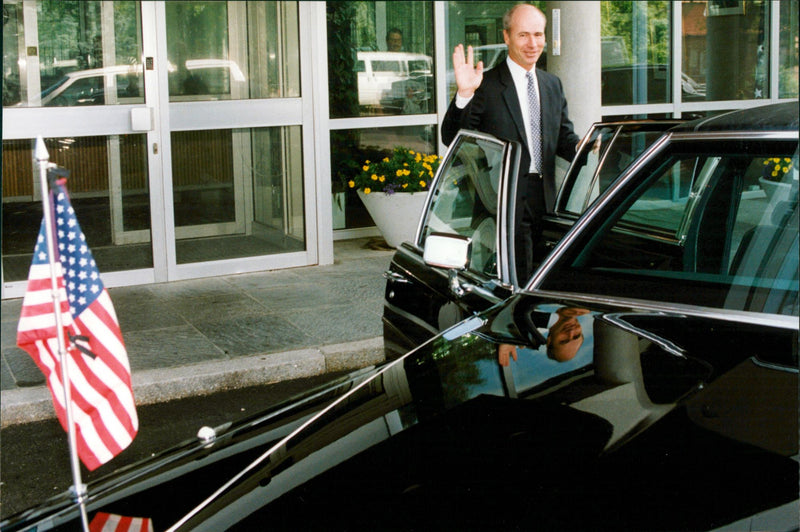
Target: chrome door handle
<point x="395" y="277"/>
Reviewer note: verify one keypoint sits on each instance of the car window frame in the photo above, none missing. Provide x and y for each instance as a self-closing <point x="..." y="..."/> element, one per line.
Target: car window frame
<point x="504" y="217"/>
<point x="597" y="218"/>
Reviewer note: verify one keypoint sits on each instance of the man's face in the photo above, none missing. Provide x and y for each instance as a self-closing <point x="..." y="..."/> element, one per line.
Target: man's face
<point x="525" y="37"/>
<point x="394" y="42"/>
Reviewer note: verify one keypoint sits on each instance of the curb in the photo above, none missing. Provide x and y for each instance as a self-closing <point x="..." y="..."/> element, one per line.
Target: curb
<point x="25" y="405"/>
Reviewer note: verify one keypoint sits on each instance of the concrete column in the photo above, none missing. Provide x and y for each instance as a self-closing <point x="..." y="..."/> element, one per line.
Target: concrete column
<point x="579" y="62"/>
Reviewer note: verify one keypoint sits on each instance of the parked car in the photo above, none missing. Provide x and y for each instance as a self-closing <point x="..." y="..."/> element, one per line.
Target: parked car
<point x="471" y="197"/>
<point x="644" y="379"/>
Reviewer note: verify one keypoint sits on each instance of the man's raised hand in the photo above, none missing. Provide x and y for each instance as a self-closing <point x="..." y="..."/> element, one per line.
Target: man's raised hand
<point x="468" y="75"/>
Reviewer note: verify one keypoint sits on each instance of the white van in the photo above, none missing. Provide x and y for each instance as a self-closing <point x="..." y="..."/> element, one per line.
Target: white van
<point x="385" y="78"/>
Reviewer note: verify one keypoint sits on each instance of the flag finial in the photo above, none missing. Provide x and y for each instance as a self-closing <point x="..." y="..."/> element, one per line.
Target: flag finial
<point x="40" y="152"/>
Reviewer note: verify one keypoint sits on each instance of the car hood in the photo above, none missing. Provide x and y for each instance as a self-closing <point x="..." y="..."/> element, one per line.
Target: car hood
<point x="589" y="436"/>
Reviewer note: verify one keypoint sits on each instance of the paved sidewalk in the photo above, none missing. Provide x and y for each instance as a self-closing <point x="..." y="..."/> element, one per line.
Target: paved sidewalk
<point x="200" y="336"/>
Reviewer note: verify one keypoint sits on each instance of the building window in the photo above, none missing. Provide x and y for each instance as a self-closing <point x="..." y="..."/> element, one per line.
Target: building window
<point x="380" y="58"/>
<point x="635" y="53"/>
<point x="108" y="186"/>
<point x="237" y="193"/>
<point x="81" y="53"/>
<point x="788" y="71"/>
<point x="726" y="49"/>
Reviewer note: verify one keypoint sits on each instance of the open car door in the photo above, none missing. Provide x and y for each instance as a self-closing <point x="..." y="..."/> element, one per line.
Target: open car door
<point x="468" y="198"/>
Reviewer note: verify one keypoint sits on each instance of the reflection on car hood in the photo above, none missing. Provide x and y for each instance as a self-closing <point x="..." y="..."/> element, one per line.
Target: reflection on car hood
<point x="586" y="429"/>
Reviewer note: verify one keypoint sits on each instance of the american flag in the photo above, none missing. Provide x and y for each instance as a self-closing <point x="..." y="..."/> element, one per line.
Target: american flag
<point x="103" y="408"/>
<point x="103" y="522"/>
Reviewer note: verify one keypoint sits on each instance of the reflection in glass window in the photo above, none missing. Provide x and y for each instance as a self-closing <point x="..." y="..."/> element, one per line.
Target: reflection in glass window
<point x="112" y="201"/>
<point x="89" y="53"/>
<point x="211" y="58"/>
<point x="714" y="226"/>
<point x="725" y="50"/>
<point x="380" y="58"/>
<point x="788" y="69"/>
<point x="351" y="147"/>
<point x="237" y="193"/>
<point x="635" y="53"/>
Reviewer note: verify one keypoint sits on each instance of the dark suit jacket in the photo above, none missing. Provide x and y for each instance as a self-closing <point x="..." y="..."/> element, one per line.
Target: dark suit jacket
<point x="495" y="109"/>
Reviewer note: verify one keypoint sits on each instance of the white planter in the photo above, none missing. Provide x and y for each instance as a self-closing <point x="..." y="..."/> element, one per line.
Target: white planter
<point x="396" y="215"/>
<point x="772" y="188"/>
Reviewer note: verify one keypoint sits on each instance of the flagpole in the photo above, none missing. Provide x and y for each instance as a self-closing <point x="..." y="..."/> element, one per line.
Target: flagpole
<point x="79" y="488"/>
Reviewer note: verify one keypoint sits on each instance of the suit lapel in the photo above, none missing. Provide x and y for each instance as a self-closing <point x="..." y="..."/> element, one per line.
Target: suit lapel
<point x="512" y="101"/>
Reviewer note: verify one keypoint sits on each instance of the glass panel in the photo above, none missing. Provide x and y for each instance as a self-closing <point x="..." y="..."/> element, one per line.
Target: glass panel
<point x="480" y="24"/>
<point x="232" y="50"/>
<point x="237" y="193"/>
<point x="635" y="52"/>
<point x="788" y="70"/>
<point x="380" y="58"/>
<point x="716" y="225"/>
<point x="465" y="200"/>
<point x="605" y="161"/>
<point x="351" y="148"/>
<point x="725" y="50"/>
<point x="82" y="53"/>
<point x="117" y="226"/>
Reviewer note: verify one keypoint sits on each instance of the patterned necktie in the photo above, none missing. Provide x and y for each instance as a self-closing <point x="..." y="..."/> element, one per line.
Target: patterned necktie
<point x="536" y="123"/>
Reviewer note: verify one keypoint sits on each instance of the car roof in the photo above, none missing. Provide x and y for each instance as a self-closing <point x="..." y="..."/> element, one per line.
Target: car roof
<point x="773" y="117"/>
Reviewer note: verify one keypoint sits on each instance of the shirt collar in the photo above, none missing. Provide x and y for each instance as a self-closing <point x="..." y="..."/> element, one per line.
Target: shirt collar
<point x="517" y="72"/>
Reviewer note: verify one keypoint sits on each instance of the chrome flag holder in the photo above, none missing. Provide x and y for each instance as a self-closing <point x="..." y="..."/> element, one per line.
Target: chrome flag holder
<point x="45" y="166"/>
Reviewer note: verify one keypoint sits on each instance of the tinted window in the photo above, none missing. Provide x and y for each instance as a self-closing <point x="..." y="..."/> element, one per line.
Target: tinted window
<point x="705" y="228"/>
<point x="602" y="159"/>
<point x="465" y="200"/>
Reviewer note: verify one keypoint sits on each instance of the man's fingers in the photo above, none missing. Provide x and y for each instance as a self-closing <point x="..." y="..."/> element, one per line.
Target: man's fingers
<point x="470" y="55"/>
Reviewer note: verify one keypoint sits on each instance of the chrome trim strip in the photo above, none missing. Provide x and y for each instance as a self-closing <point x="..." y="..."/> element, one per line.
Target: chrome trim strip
<point x="773" y="366"/>
<point x="617" y="319"/>
<point x="779" y="321"/>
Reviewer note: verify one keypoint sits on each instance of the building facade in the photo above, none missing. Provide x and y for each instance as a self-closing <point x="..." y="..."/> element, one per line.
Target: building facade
<point x="208" y="138"/>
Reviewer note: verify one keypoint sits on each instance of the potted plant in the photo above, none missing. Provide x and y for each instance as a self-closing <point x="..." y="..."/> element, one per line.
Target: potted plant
<point x="394" y="190"/>
<point x="772" y="179"/>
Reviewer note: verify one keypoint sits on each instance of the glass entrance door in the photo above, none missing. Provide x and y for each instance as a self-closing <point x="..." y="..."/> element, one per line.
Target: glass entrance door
<point x="186" y="159"/>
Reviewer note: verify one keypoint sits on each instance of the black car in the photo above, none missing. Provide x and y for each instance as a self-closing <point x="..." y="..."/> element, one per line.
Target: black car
<point x="644" y="379"/>
<point x="472" y="196"/>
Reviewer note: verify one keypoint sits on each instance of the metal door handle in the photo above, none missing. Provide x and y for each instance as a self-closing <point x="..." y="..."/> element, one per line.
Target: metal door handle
<point x="395" y="277"/>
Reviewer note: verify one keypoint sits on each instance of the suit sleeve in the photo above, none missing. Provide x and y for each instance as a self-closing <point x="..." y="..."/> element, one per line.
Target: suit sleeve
<point x="467" y="118"/>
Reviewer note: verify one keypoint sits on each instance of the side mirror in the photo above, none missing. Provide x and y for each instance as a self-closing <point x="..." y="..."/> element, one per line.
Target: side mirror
<point x="447" y="251"/>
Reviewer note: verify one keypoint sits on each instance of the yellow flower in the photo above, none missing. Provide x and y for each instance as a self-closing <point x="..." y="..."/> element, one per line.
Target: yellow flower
<point x="374" y="177"/>
<point x="386" y="159"/>
<point x="365" y="168"/>
<point x="785" y="169"/>
<point x="382" y="179"/>
<point x="422" y="184"/>
<point x="405" y="185"/>
<point x="367" y="190"/>
<point x="351" y="183"/>
<point x="411" y="152"/>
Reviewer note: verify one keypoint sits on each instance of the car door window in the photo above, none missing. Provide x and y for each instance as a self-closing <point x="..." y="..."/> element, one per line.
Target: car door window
<point x="702" y="229"/>
<point x="465" y="199"/>
<point x="609" y="149"/>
